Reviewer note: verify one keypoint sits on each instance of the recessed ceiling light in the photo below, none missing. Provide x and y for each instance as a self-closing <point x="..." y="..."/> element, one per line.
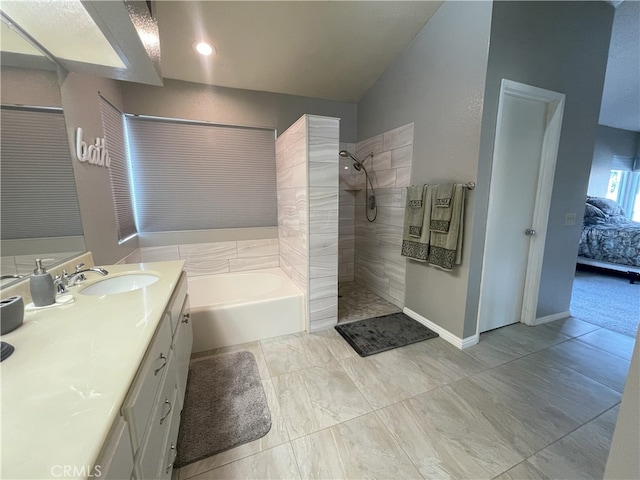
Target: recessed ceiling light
<point x="204" y="48"/>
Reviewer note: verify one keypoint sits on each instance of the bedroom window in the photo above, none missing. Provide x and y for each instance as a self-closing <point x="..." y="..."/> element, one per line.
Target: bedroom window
<point x="624" y="188"/>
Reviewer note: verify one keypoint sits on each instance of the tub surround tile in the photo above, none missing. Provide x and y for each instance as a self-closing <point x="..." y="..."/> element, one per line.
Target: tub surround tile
<point x="380" y="161"/>
<point x="323" y="244"/>
<point x="317" y="398"/>
<point x="209" y="267"/>
<point x="323" y="150"/>
<point x="324" y="127"/>
<point x="323" y="287"/>
<point x="391" y="197"/>
<point x="323" y="221"/>
<point x="359" y="448"/>
<point x="208" y="251"/>
<point x="257" y="248"/>
<point x="253" y="263"/>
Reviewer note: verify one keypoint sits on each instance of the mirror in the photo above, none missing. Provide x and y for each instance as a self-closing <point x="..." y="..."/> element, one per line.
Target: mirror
<point x="40" y="214"/>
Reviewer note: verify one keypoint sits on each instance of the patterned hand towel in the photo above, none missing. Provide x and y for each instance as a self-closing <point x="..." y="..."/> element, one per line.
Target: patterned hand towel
<point x="414" y="213"/>
<point x="441" y="208"/>
<point x="418" y="248"/>
<point x="446" y="248"/>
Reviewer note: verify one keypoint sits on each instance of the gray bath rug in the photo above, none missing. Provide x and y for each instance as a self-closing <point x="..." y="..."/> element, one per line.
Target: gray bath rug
<point x="375" y="335"/>
<point x="224" y="406"/>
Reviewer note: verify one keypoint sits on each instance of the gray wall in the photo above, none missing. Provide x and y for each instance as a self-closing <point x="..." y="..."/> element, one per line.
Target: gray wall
<point x="438" y="83"/>
<point x="559" y="46"/>
<point x="194" y="101"/>
<point x="609" y="142"/>
<point x="81" y="105"/>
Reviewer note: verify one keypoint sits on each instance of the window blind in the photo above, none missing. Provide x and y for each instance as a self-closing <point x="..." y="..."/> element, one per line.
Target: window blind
<point x="194" y="176"/>
<point x="622" y="163"/>
<point x="115" y="138"/>
<point x="38" y="189"/>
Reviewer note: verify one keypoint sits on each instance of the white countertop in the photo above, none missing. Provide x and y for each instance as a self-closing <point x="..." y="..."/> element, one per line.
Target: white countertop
<point x="71" y="369"/>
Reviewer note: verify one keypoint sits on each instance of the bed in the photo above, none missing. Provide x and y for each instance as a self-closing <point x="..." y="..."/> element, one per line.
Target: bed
<point x="609" y="239"/>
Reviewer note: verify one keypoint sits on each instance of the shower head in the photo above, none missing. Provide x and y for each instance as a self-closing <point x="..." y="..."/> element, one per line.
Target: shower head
<point x="357" y="163"/>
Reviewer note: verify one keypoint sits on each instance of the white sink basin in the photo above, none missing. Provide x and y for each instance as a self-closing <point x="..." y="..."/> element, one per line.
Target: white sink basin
<point x="120" y="284"/>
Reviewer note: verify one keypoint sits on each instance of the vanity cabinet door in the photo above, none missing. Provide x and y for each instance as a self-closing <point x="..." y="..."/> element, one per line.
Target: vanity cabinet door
<point x="138" y="405"/>
<point x="116" y="458"/>
<point x="176" y="302"/>
<point x="182" y="343"/>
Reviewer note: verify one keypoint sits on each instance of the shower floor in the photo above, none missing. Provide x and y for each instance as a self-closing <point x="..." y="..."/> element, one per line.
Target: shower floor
<point x="356" y="302"/>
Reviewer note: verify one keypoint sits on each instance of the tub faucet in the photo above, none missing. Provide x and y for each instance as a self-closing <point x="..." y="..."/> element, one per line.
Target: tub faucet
<point x="65" y="281"/>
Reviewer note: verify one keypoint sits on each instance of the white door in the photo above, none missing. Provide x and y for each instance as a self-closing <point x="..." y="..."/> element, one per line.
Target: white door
<point x="525" y="150"/>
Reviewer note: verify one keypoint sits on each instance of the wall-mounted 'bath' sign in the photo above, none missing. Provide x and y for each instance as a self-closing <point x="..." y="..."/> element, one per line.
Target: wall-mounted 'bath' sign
<point x="96" y="154"/>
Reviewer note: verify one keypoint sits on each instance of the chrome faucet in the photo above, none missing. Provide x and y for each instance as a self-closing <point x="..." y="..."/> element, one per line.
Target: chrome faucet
<point x="65" y="281"/>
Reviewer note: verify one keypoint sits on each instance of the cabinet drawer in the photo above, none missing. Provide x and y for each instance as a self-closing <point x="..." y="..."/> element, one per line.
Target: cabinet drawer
<point x="138" y="405"/>
<point x="152" y="455"/>
<point x="116" y="458"/>
<point x="176" y="302"/>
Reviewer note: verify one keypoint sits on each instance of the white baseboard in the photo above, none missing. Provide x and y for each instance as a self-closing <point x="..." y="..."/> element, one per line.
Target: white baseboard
<point x="457" y="342"/>
<point x="551" y="318"/>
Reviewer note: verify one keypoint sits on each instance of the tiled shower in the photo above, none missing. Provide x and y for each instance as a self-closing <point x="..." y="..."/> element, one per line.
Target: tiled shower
<point x="369" y="252"/>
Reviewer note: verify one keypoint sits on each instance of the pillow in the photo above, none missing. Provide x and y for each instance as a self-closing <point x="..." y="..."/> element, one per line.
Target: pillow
<point x="607" y="206"/>
<point x="593" y="211"/>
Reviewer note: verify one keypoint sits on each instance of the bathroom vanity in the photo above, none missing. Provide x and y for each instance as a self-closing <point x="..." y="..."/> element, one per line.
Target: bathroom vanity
<point x="95" y="388"/>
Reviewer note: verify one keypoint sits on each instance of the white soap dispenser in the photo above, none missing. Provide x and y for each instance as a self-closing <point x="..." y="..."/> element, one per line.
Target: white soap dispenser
<point x="43" y="291"/>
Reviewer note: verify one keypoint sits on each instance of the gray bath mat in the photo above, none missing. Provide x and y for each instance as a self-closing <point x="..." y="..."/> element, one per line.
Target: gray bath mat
<point x="375" y="335"/>
<point x="224" y="406"/>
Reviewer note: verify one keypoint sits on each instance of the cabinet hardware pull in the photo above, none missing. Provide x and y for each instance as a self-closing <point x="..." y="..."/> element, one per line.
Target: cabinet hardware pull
<point x="166" y="402"/>
<point x="162" y="357"/>
<point x="175" y="455"/>
<point x="185" y="318"/>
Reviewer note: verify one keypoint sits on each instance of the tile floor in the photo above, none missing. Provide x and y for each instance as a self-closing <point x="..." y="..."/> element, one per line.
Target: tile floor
<point x="526" y="402"/>
<point x="356" y="302"/>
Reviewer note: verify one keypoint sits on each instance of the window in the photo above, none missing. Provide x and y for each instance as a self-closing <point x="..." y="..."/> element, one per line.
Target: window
<point x="38" y="187"/>
<point x="624" y="187"/>
<point x="198" y="176"/>
<point x="119" y="170"/>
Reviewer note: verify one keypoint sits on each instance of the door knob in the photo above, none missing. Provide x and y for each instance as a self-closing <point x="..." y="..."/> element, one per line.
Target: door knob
<point x="530" y="232"/>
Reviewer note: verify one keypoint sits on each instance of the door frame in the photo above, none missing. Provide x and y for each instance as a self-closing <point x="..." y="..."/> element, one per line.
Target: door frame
<point x="555" y="102"/>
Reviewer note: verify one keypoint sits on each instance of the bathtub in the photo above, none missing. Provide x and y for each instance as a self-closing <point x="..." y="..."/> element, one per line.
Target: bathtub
<point x="233" y="308"/>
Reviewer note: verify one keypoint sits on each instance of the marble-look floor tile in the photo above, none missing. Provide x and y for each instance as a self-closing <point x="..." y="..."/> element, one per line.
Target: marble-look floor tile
<point x="523" y="471"/>
<point x="600" y="365"/>
<point x="612" y="342"/>
<point x="581" y="454"/>
<point x="534" y="401"/>
<point x="513" y="341"/>
<point x="277" y="435"/>
<point x="358" y="449"/>
<point x="275" y="463"/>
<point x="337" y="345"/>
<point x="447" y="437"/>
<point x="294" y="352"/>
<point x="317" y="398"/>
<point x="571" y="327"/>
<point x="391" y="376"/>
